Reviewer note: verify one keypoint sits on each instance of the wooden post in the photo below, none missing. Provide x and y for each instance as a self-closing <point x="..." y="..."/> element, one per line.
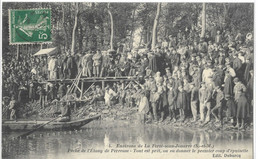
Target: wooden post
<point x="103" y="85"/>
<point x="82" y="87"/>
<point x="203" y="30"/>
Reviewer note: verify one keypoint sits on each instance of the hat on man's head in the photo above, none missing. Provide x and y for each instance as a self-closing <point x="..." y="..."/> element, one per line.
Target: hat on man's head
<point x="236" y="80"/>
<point x="241" y="52"/>
<point x="180" y="87"/>
<point x="183" y="68"/>
<point x="195" y="65"/>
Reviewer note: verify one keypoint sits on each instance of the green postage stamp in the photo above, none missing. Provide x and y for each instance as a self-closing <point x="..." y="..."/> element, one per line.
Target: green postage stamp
<point x="29" y="26"/>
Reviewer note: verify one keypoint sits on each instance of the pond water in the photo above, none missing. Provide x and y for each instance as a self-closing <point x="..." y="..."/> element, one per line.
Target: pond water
<point x="96" y="137"/>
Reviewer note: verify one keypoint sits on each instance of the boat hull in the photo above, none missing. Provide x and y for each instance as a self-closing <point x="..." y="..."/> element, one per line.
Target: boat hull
<point x="30" y="125"/>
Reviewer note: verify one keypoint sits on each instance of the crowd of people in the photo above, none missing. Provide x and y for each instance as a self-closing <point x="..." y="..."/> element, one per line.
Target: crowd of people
<point x="184" y="78"/>
<point x="184" y="75"/>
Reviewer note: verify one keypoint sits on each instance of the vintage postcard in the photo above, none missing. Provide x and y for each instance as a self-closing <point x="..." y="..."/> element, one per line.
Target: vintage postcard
<point x="133" y="80"/>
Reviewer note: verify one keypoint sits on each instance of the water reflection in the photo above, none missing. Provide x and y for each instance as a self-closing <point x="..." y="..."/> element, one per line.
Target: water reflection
<point x="51" y="144"/>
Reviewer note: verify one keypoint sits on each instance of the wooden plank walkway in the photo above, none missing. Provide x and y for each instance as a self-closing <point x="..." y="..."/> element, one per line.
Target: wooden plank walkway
<point x="78" y="84"/>
<point x="94" y="79"/>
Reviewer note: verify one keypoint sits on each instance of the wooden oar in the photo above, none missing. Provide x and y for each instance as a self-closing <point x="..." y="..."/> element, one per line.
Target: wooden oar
<point x="28" y="133"/>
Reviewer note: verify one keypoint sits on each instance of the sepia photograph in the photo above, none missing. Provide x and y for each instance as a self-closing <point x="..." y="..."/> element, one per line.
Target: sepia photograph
<point x="127" y="80"/>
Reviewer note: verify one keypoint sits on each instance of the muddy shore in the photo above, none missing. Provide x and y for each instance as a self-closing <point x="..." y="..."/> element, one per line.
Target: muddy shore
<point x="117" y="115"/>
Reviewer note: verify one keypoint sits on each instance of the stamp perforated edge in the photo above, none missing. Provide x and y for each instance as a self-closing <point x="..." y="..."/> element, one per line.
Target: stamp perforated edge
<point x="26" y="43"/>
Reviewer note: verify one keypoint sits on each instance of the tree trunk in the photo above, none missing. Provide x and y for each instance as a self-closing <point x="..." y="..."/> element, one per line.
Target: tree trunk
<point x="141" y="40"/>
<point x="132" y="31"/>
<point x="18" y="52"/>
<point x="112" y="27"/>
<point x="80" y="37"/>
<point x="148" y="35"/>
<point x="92" y="25"/>
<point x="66" y="44"/>
<point x="226" y="17"/>
<point x="203" y="30"/>
<point x="74" y="30"/>
<point x="102" y="34"/>
<point x="144" y="35"/>
<point x="155" y="25"/>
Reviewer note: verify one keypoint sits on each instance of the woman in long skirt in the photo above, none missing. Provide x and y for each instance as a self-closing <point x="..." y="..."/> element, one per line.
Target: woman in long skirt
<point x="242" y="110"/>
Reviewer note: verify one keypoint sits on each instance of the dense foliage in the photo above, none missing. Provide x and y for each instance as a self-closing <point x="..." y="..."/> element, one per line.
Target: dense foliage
<point x="93" y="29"/>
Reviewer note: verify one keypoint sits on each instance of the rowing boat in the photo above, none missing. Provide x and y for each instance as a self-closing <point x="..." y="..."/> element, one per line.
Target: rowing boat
<point x="56" y="125"/>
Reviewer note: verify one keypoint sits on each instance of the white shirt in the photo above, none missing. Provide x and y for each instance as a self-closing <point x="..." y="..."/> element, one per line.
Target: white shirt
<point x="109" y="93"/>
<point x="52" y="64"/>
<point x="206" y="74"/>
<point x="242" y="58"/>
